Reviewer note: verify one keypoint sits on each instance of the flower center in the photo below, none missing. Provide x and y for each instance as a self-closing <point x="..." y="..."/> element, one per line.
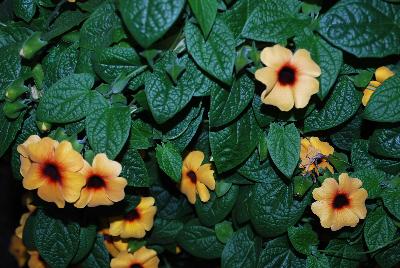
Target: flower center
<point x="95" y="182"/>
<point x="108" y="238"/>
<point x="192" y="176"/>
<point x="132" y="215"/>
<point x="340" y="201"/>
<point x="51" y="171"/>
<point x="136" y="265"/>
<point x="286" y="75"/>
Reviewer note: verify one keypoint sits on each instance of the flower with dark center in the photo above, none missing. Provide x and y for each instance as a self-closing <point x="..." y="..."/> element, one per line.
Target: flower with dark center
<point x="141" y="258"/>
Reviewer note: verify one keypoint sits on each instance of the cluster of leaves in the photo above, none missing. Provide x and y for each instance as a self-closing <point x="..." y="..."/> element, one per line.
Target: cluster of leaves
<point x="147" y="81"/>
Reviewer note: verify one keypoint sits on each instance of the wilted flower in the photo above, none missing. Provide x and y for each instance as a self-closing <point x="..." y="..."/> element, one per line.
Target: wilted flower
<point x="314" y="154"/>
<point x="381" y="74"/>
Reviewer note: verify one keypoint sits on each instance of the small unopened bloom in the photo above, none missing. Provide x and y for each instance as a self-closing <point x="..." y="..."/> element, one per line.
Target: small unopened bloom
<point x="381" y="74"/>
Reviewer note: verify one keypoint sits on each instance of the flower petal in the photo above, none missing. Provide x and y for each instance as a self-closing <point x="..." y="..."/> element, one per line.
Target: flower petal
<point x="348" y="184"/>
<point x="267" y="76"/>
<point x="147" y="217"/>
<point x="367" y="96"/>
<point x="43" y="150"/>
<point x="144" y="254"/>
<point x="146" y="202"/>
<point x="323" y="147"/>
<point x="344" y="217"/>
<point x="33" y="178"/>
<point x="72" y="183"/>
<point x="275" y="56"/>
<point x="305" y="87"/>
<point x="193" y="160"/>
<point x="25" y="165"/>
<point x="99" y="198"/>
<point x="85" y="197"/>
<point x="116" y="226"/>
<point x="189" y="189"/>
<point x="51" y="192"/>
<point x="152" y="263"/>
<point x="123" y="260"/>
<point x="23" y="148"/>
<point x="205" y="175"/>
<point x="115" y="188"/>
<point x="280" y="96"/>
<point x="133" y="229"/>
<point x="304" y="63"/>
<point x="327" y="190"/>
<point x="204" y="194"/>
<point x="105" y="167"/>
<point x="383" y="73"/>
<point x="68" y="158"/>
<point x="323" y="210"/>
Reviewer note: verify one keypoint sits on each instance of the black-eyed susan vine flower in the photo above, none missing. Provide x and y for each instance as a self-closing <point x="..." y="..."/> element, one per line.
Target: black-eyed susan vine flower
<point x="381" y="74"/>
<point x="35" y="261"/>
<point x="114" y="245"/>
<point x="52" y="168"/>
<point x="103" y="186"/>
<point x="290" y="78"/>
<point x="314" y="154"/>
<point x="141" y="258"/>
<point x="18" y="250"/>
<point x="340" y="204"/>
<point x="196" y="178"/>
<point x="136" y="222"/>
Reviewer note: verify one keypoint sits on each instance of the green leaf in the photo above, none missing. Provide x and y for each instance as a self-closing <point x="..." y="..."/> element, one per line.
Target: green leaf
<point x="165" y="231"/>
<point x="345" y="254"/>
<point x="318" y="261"/>
<point x="200" y="241"/>
<point x="345" y="135"/>
<point x="29" y="231"/>
<point x="8" y="130"/>
<point x="66" y="100"/>
<point x="170" y="161"/>
<point x="341" y="106"/>
<point x="275" y="21"/>
<point x="141" y="135"/>
<point x="97" y="31"/>
<point x="363" y="78"/>
<point x="186" y="137"/>
<point x="379" y="229"/>
<point x="388" y="257"/>
<point x="372" y="181"/>
<point x="217" y="208"/>
<point x="205" y="12"/>
<point x="284" y="147"/>
<point x="272" y="207"/>
<point x="385" y="142"/>
<point x="110" y="62"/>
<point x="233" y="144"/>
<point x="241" y="211"/>
<point x="223" y="231"/>
<point x="216" y="55"/>
<point x="278" y="253"/>
<point x="25" y="9"/>
<point x="340" y="161"/>
<point x="10" y="59"/>
<point x="169" y="206"/>
<point x="56" y="241"/>
<point x="149" y="20"/>
<point x="242" y="249"/>
<point x="65" y="22"/>
<point x="384" y="105"/>
<point x="222" y="187"/>
<point x="327" y="57"/>
<point x="254" y="170"/>
<point x="134" y="169"/>
<point x="226" y="106"/>
<point x="372" y="31"/>
<point x="108" y="129"/>
<point x="87" y="238"/>
<point x="391" y="200"/>
<point x="303" y="238"/>
<point x="99" y="256"/>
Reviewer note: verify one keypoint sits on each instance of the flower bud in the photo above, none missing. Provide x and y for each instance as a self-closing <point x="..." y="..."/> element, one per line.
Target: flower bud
<point x="43" y="126"/>
<point x="15" y="90"/>
<point x="13" y="109"/>
<point x="32" y="45"/>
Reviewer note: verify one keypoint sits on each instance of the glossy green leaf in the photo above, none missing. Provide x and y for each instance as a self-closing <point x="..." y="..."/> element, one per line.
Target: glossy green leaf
<point x="134" y="169"/>
<point x="224" y="231"/>
<point x="391" y="199"/>
<point x="8" y="130"/>
<point x="386" y="142"/>
<point x="205" y="12"/>
<point x="346" y="254"/>
<point x="99" y="256"/>
<point x="373" y="181"/>
<point x="170" y="161"/>
<point x="379" y="229"/>
<point x="87" y="238"/>
<point x="25" y="9"/>
<point x="303" y="238"/>
<point x="165" y="231"/>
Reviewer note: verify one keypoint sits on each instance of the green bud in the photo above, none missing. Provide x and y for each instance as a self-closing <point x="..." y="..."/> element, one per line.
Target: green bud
<point x="32" y="45"/>
<point x="38" y="75"/>
<point x="43" y="126"/>
<point x="15" y="90"/>
<point x="13" y="109"/>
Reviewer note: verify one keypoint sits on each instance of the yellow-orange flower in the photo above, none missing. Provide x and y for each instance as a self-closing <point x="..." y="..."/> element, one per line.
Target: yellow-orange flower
<point x="314" y="153"/>
<point x="35" y="261"/>
<point x="381" y="74"/>
<point x="103" y="186"/>
<point x="196" y="178"/>
<point x="18" y="250"/>
<point x="136" y="222"/>
<point x="290" y="79"/>
<point x="114" y="245"/>
<point x="141" y="258"/>
<point x="20" y="229"/>
<point x="24" y="155"/>
<point x="340" y="205"/>
<point x="53" y="170"/>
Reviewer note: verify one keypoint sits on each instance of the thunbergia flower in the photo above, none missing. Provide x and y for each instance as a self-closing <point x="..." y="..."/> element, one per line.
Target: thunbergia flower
<point x="314" y="154"/>
<point x="141" y="258"/>
<point x="196" y="178"/>
<point x="35" y="261"/>
<point x="290" y="78"/>
<point x="103" y="186"/>
<point x="52" y="168"/>
<point x="114" y="245"/>
<point x="340" y="205"/>
<point x="381" y="74"/>
<point x="136" y="222"/>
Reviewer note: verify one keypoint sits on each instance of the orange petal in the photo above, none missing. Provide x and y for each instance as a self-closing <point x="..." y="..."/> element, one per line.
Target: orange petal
<point x="275" y="56"/>
<point x="305" y="87"/>
<point x="189" y="189"/>
<point x="23" y="148"/>
<point x="327" y="190"/>
<point x="132" y="229"/>
<point x="193" y="160"/>
<point x="302" y="60"/>
<point x="123" y="260"/>
<point x="72" y="183"/>
<point x="68" y="158"/>
<point x="105" y="167"/>
<point x="146" y="202"/>
<point x="323" y="147"/>
<point x="116" y="226"/>
<point x="324" y="212"/>
<point x="152" y="263"/>
<point x="84" y="199"/>
<point x="144" y="254"/>
<point x="367" y="93"/>
<point x="267" y="76"/>
<point x="147" y="218"/>
<point x="206" y="176"/>
<point x="348" y="184"/>
<point x="33" y="178"/>
<point x="115" y="188"/>
<point x="43" y="150"/>
<point x="99" y="198"/>
<point x="280" y="96"/>
<point x="383" y="73"/>
<point x="204" y="194"/>
<point x="25" y="165"/>
<point x="344" y="217"/>
<point x="51" y="192"/>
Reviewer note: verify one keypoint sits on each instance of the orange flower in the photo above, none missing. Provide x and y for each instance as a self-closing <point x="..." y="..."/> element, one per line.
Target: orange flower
<point x="18" y="250"/>
<point x="196" y="177"/>
<point x="381" y="74"/>
<point x="136" y="222"/>
<point x="340" y="205"/>
<point x="314" y="153"/>
<point x="114" y="245"/>
<point x="24" y="155"/>
<point x="35" y="261"/>
<point x="141" y="258"/>
<point x="53" y="170"/>
<point x="290" y="79"/>
<point x="103" y="186"/>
